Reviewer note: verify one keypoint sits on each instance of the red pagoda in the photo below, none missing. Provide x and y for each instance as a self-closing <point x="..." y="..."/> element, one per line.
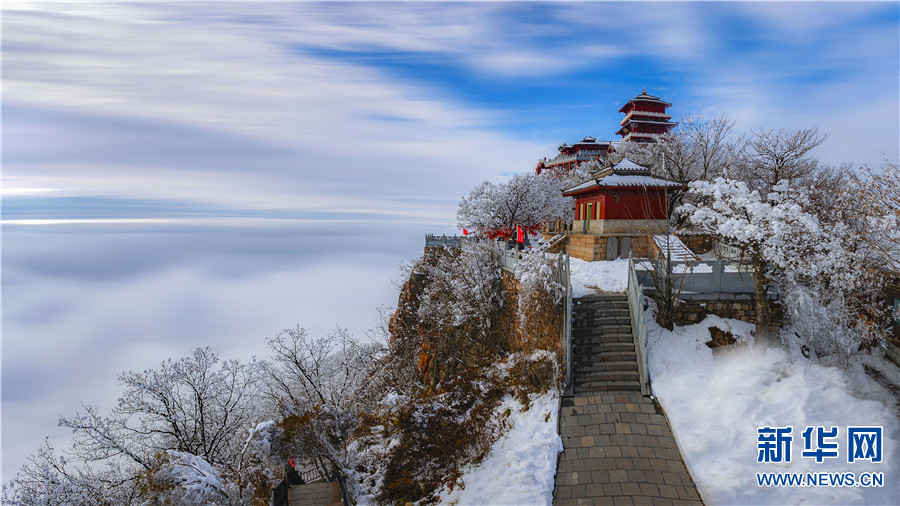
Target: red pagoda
<point x="645" y="119"/>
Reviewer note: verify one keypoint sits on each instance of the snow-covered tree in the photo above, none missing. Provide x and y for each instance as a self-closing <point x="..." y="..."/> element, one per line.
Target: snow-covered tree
<point x="461" y="303"/>
<point x="315" y="384"/>
<point x="185" y="478"/>
<point x="817" y="263"/>
<point x="878" y="193"/>
<point x="200" y="406"/>
<point x="51" y="479"/>
<point x="771" y="156"/>
<point x="526" y="200"/>
<point x="699" y="149"/>
<point x="540" y="297"/>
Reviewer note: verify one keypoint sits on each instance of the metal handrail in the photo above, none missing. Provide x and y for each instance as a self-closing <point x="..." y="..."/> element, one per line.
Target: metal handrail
<point x="638" y="326"/>
<point x="342" y="483"/>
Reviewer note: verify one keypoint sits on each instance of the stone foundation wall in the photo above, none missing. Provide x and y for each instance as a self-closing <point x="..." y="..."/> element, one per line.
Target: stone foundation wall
<point x="689" y="313"/>
<point x="592" y="247"/>
<point x="623" y="227"/>
<point x="698" y="243"/>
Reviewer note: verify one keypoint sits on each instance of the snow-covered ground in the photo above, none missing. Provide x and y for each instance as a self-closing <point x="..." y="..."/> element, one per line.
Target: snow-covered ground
<point x="522" y="464"/>
<point x="588" y="277"/>
<point x="715" y="406"/>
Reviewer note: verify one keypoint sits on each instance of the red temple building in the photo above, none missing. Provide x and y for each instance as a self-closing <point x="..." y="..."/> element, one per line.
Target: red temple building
<point x="620" y="207"/>
<point x="617" y="210"/>
<point x="645" y="119"/>
<point x="589" y="149"/>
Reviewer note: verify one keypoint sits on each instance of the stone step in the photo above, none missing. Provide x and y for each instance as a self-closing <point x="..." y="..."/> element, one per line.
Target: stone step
<point x="599" y="348"/>
<point x="586" y="323"/>
<point x="606" y="356"/>
<point x="602" y="312"/>
<point x="604" y="297"/>
<point x="315" y="494"/>
<point x="604" y="376"/>
<point x="611" y="365"/>
<point x="593" y="308"/>
<point x="603" y="338"/>
<point x="605" y="330"/>
<point x="608" y="386"/>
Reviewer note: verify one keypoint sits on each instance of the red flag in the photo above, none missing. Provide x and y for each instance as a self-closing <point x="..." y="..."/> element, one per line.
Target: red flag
<point x="465" y="232"/>
<point x="520" y="235"/>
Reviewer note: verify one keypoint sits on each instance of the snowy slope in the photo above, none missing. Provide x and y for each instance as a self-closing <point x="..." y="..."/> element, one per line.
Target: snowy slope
<point x="716" y="405"/>
<point x="522" y="464"/>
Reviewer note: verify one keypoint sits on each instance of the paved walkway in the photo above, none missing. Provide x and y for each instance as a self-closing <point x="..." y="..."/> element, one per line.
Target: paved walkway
<point x="619" y="449"/>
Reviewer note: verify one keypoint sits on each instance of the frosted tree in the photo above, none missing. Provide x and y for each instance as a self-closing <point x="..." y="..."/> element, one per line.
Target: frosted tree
<point x="700" y="148"/>
<point x="772" y="156"/>
<point x="540" y="299"/>
<point x="817" y="264"/>
<point x="316" y="384"/>
<point x="200" y="406"/>
<point x="461" y="304"/>
<point x="878" y="193"/>
<point x="53" y="479"/>
<point x="185" y="478"/>
<point x="526" y="200"/>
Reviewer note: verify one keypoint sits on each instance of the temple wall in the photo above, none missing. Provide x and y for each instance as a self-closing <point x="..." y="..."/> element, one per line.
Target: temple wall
<point x="592" y="247"/>
<point x="622" y="227"/>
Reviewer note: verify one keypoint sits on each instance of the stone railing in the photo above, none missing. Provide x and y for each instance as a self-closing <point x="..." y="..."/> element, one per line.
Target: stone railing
<point x="638" y="327"/>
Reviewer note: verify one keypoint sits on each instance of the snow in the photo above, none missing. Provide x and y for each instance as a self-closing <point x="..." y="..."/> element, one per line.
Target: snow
<point x="522" y="465"/>
<point x="715" y="406"/>
<point x="199" y="482"/>
<point x="626" y="164"/>
<point x="678" y="251"/>
<point x="620" y="180"/>
<point x="607" y="276"/>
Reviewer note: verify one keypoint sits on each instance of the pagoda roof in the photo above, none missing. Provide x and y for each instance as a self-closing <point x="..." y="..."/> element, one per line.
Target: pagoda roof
<point x="623" y="174"/>
<point x="644" y="97"/>
<point x="639" y="122"/>
<point x="587" y="141"/>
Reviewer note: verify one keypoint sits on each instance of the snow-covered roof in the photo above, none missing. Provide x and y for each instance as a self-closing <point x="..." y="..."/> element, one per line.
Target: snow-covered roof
<point x="621" y="180"/>
<point x="627" y="165"/>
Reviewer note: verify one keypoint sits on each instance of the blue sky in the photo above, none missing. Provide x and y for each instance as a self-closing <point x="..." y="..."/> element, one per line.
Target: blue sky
<point x="179" y="175"/>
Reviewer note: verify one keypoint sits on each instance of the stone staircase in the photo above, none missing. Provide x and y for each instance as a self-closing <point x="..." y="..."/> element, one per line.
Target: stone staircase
<point x="323" y="493"/>
<point x="602" y="345"/>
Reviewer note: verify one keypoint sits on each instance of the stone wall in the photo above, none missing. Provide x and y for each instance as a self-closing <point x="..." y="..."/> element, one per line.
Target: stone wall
<point x="698" y="243"/>
<point x="624" y="227"/>
<point x="592" y="247"/>
<point x="689" y="313"/>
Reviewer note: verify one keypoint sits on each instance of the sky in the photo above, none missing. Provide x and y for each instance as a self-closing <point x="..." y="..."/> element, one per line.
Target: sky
<point x="177" y="175"/>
